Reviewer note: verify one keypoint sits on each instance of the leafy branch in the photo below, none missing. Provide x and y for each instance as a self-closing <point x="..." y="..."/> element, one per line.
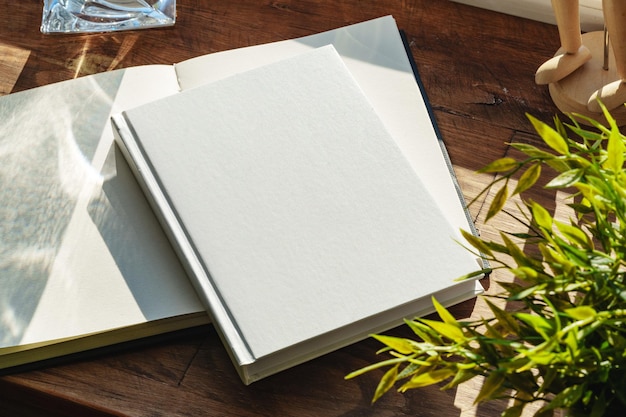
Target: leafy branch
<point x="566" y="343"/>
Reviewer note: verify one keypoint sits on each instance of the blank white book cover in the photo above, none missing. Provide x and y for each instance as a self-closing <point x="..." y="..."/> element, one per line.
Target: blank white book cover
<point x="296" y="204"/>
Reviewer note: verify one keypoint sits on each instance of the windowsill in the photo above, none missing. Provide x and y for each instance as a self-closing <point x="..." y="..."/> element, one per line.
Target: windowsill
<point x="591" y="17"/>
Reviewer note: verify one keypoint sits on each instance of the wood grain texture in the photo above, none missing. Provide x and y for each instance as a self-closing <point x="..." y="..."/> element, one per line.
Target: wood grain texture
<point x="478" y="71"/>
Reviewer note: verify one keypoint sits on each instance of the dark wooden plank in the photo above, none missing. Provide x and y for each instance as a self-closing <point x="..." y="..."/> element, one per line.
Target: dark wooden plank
<point x="480" y="65"/>
<point x="472" y="144"/>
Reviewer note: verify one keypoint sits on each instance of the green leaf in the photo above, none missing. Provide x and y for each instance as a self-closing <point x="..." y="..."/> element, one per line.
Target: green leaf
<point x="400" y="345"/>
<point x="585" y="134"/>
<point x="460" y="376"/>
<point x="497" y="247"/>
<point x="551" y="137"/>
<point x="377" y="365"/>
<point x="505" y="319"/>
<point x="559" y="165"/>
<point x="386" y="382"/>
<point x="581" y="312"/>
<point x="566" y="398"/>
<point x="566" y="179"/>
<point x="541" y="216"/>
<point x="498" y="202"/>
<point x="517" y="253"/>
<point x="449" y="331"/>
<point x="599" y="407"/>
<point x="572" y="341"/>
<point x="615" y="151"/>
<point x="541" y="357"/>
<point x="525" y="292"/>
<point x="541" y="325"/>
<point x="551" y="256"/>
<point x="523" y="382"/>
<point x="500" y="165"/>
<point x="476" y="242"/>
<point x="548" y="378"/>
<point x="528" y="179"/>
<point x="577" y="256"/>
<point x="424" y="332"/>
<point x="523" y="235"/>
<point x="575" y="235"/>
<point x="526" y="273"/>
<point x="494" y="334"/>
<point x="444" y="314"/>
<point x="428" y="378"/>
<point x="492" y="386"/>
<point x="474" y="274"/>
<point x="581" y="208"/>
<point x="515" y="411"/>
<point x="592" y="195"/>
<point x="532" y="151"/>
<point x="412" y="368"/>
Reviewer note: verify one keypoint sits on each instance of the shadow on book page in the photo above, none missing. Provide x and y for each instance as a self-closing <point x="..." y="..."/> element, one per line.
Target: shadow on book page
<point x="135" y="239"/>
<point x="47" y="140"/>
<point x="75" y="240"/>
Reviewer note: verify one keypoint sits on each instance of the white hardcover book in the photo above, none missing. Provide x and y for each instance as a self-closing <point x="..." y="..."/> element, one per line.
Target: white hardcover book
<point x="300" y="221"/>
<point x="375" y="54"/>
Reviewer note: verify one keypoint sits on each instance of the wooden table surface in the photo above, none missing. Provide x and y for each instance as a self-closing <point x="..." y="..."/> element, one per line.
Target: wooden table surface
<point x="477" y="67"/>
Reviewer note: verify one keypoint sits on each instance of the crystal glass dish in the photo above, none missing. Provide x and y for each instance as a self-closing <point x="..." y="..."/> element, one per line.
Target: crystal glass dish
<point x="80" y="16"/>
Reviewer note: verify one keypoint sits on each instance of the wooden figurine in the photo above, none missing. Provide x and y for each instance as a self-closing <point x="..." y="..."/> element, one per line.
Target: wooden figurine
<point x="573" y="54"/>
<point x="613" y="94"/>
<point x="581" y="72"/>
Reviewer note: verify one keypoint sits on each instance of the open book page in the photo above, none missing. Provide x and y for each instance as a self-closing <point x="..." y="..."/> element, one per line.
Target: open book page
<point x="81" y="251"/>
<point x="375" y="55"/>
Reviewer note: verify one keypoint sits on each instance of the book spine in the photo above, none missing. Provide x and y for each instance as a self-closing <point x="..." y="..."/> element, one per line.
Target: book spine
<point x="200" y="278"/>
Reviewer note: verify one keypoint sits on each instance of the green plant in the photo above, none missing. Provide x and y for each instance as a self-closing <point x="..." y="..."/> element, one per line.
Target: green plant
<point x="565" y="341"/>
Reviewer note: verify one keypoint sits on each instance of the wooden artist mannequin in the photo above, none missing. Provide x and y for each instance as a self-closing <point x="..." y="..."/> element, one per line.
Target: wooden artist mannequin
<point x="613" y="94"/>
<point x="574" y="54"/>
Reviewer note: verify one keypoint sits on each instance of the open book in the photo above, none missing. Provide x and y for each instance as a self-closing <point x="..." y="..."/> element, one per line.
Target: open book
<point x="83" y="261"/>
<point x="299" y="219"/>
